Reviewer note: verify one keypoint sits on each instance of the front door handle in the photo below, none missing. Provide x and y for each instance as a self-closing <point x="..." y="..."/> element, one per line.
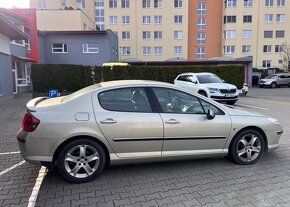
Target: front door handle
<point x="108" y="121"/>
<point x="172" y="121"/>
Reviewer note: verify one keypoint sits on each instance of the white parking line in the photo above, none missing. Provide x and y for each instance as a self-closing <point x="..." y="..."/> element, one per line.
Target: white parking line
<point x="11" y="168"/>
<point x="256" y="107"/>
<point x="9" y="153"/>
<point x="36" y="188"/>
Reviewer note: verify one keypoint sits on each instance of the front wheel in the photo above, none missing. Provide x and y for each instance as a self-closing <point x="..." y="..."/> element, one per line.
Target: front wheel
<point x="81" y="160"/>
<point x="273" y="85"/>
<point x="247" y="147"/>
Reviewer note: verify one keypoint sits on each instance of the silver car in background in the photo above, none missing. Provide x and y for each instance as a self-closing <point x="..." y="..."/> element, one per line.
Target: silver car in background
<point x="136" y="121"/>
<point x="275" y="80"/>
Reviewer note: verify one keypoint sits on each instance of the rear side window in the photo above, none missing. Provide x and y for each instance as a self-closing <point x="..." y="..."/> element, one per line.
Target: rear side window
<point x="182" y="78"/>
<point x="125" y="100"/>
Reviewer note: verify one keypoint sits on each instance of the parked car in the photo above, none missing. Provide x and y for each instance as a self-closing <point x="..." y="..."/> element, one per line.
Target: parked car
<point x="135" y="121"/>
<point x="209" y="85"/>
<point x="275" y="80"/>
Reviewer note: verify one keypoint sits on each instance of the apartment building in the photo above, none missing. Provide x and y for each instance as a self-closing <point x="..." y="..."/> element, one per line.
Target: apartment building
<point x="256" y="28"/>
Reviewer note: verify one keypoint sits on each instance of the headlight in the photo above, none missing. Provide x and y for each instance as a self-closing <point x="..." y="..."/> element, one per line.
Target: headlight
<point x="212" y="90"/>
<point x="274" y="121"/>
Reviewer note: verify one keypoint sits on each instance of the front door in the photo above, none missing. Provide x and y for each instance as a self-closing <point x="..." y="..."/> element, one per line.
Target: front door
<point x="14" y="81"/>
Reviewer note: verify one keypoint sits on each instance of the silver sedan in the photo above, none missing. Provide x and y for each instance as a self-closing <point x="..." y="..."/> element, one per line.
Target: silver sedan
<point x="135" y="121"/>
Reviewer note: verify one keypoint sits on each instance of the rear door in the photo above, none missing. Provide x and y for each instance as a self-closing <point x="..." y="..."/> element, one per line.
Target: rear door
<point x="128" y="121"/>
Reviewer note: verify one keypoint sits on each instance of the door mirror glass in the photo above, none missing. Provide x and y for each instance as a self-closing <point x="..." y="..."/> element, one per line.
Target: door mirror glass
<point x="210" y="114"/>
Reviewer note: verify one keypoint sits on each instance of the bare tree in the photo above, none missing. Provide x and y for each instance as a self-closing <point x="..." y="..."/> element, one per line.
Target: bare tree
<point x="285" y="55"/>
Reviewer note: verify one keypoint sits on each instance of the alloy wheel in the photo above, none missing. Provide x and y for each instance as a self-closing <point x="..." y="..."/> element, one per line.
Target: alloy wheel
<point x="249" y="148"/>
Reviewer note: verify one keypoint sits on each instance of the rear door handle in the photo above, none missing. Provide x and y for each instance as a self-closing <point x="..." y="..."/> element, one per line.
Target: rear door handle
<point x="108" y="121"/>
<point x="172" y="121"/>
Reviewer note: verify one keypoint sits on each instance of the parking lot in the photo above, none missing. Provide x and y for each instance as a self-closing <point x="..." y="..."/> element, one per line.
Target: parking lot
<point x="207" y="182"/>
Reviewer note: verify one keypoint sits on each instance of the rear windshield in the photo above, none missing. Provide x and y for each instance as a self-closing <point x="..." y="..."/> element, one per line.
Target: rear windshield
<point x="81" y="92"/>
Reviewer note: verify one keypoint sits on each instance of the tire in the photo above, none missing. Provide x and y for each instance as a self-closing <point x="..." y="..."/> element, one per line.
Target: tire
<point x="202" y="93"/>
<point x="75" y="155"/>
<point x="273" y="85"/>
<point x="247" y="147"/>
<point x="231" y="102"/>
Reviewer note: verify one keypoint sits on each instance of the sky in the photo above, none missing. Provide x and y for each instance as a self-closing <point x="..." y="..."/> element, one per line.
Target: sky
<point x="14" y="3"/>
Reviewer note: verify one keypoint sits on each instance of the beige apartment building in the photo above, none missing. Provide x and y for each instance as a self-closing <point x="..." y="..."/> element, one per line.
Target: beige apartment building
<point x="256" y="28"/>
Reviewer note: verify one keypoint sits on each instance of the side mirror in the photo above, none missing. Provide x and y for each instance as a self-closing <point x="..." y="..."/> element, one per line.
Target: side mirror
<point x="210" y="115"/>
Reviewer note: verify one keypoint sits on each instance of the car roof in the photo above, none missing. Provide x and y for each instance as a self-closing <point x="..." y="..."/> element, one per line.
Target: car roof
<point x="116" y="83"/>
<point x="202" y="73"/>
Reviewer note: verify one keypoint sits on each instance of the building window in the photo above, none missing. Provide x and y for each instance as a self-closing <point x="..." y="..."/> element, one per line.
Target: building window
<point x="200" y="38"/>
<point x="280" y="2"/>
<point x="23" y="73"/>
<point x="146" y="19"/>
<point x="59" y="48"/>
<point x="90" y="48"/>
<point x="157" y="35"/>
<point x="229" y="49"/>
<point x="146" y="50"/>
<point x="62" y="4"/>
<point x="268" y="34"/>
<point x="201" y="8"/>
<point x="126" y="50"/>
<point x="231" y="3"/>
<point x="113" y="3"/>
<point x="278" y="48"/>
<point x="157" y="3"/>
<point x="146" y="35"/>
<point x="230" y="19"/>
<point x="178" y="50"/>
<point x="178" y="3"/>
<point x="230" y="34"/>
<point x="246" y="48"/>
<point x="125" y="4"/>
<point x="146" y="3"/>
<point x="268" y="3"/>
<point x="280" y="61"/>
<point x="81" y="4"/>
<point x="247" y="34"/>
<point x="100" y="19"/>
<point x="267" y="48"/>
<point x="41" y="4"/>
<point x="178" y="35"/>
<point x="178" y="19"/>
<point x="126" y="19"/>
<point x="201" y="23"/>
<point x="157" y="19"/>
<point x="266" y="63"/>
<point x="126" y="35"/>
<point x="280" y="17"/>
<point x="280" y="34"/>
<point x="268" y="18"/>
<point x="248" y="3"/>
<point x="247" y="18"/>
<point x="200" y="53"/>
<point x="113" y="19"/>
<point x="158" y="50"/>
<point x="99" y="3"/>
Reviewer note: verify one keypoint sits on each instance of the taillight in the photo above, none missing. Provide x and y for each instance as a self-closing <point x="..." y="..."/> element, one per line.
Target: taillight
<point x="29" y="123"/>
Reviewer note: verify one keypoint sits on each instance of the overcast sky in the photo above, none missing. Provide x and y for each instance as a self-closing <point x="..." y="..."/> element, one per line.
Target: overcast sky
<point x="14" y="3"/>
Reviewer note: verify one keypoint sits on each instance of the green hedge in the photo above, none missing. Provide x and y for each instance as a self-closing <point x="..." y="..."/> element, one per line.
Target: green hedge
<point x="73" y="77"/>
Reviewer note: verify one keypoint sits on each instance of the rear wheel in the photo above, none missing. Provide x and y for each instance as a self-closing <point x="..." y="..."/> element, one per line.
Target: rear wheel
<point x="273" y="85"/>
<point x="81" y="160"/>
<point x="202" y="93"/>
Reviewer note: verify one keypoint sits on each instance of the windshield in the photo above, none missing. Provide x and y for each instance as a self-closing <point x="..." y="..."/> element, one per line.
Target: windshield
<point x="208" y="79"/>
<point x="271" y="76"/>
<point x="80" y="92"/>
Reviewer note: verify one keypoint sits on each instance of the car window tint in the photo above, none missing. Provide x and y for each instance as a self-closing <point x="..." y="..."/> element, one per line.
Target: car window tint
<point x="125" y="100"/>
<point x="208" y="106"/>
<point x="173" y="101"/>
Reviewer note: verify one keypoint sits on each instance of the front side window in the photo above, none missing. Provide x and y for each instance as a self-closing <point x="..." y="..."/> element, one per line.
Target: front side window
<point x="113" y="3"/>
<point x="59" y="48"/>
<point x="201" y="38"/>
<point x="81" y="4"/>
<point x="201" y="8"/>
<point x="125" y="100"/>
<point x="201" y="23"/>
<point x="90" y="48"/>
<point x="125" y="4"/>
<point x="178" y="3"/>
<point x="178" y="19"/>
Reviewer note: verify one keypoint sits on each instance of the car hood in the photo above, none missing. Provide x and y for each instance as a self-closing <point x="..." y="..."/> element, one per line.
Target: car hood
<point x="219" y="85"/>
<point x="236" y="111"/>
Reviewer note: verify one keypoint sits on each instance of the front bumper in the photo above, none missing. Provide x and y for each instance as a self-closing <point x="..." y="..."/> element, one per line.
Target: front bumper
<point x="264" y="84"/>
<point x="224" y="98"/>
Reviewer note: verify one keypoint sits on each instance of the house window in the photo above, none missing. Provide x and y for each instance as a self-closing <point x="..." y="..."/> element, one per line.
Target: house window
<point x="178" y="50"/>
<point x="157" y="3"/>
<point x="146" y="35"/>
<point x="278" y="48"/>
<point x="99" y="3"/>
<point x="113" y="3"/>
<point x="266" y="63"/>
<point x="247" y="18"/>
<point x="201" y="8"/>
<point x="59" y="48"/>
<point x="146" y="20"/>
<point x="125" y="4"/>
<point x="146" y="3"/>
<point x="178" y="35"/>
<point x="178" y="19"/>
<point x="247" y="34"/>
<point x="126" y="35"/>
<point x="41" y="4"/>
<point x="280" y="34"/>
<point x="158" y="50"/>
<point x="230" y="19"/>
<point x="231" y="3"/>
<point x="230" y="34"/>
<point x="178" y="3"/>
<point x="113" y="19"/>
<point x="248" y="3"/>
<point x="267" y="48"/>
<point x="268" y="3"/>
<point x="268" y="34"/>
<point x="280" y="18"/>
<point x="146" y="50"/>
<point x="157" y="35"/>
<point x="126" y="50"/>
<point x="268" y="18"/>
<point x="62" y="4"/>
<point x="126" y="19"/>
<point x="81" y="4"/>
<point x="229" y="49"/>
<point x="23" y="73"/>
<point x="201" y="23"/>
<point x="246" y="48"/>
<point x="280" y="2"/>
<point x="90" y="48"/>
<point x="157" y="19"/>
<point x="200" y="53"/>
<point x="201" y="38"/>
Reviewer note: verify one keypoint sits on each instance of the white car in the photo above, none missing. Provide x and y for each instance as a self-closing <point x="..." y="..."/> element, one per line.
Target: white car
<point x="209" y="85"/>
